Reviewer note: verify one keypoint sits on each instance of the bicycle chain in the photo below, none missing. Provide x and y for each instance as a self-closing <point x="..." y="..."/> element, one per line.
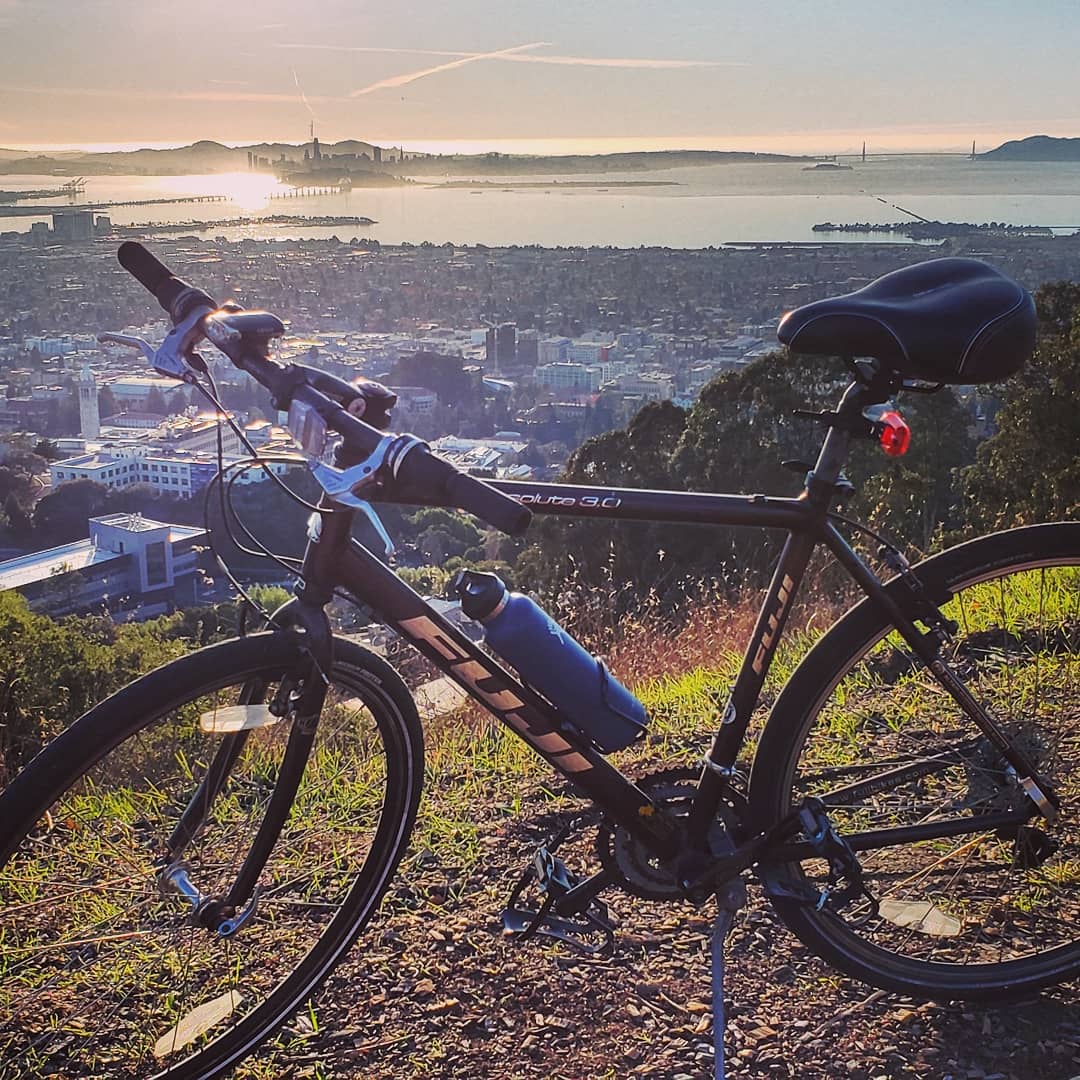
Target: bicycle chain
<point x="636" y="870"/>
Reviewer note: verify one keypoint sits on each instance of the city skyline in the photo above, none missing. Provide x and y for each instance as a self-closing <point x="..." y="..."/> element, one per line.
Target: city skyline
<point x="518" y="77"/>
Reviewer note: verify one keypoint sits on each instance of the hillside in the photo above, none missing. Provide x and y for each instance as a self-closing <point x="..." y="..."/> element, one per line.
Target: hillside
<point x="207" y="156"/>
<point x="1035" y="148"/>
<point x="434" y="989"/>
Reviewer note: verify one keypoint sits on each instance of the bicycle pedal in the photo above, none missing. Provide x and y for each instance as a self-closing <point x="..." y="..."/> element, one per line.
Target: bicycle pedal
<point x="586" y="926"/>
<point x="593" y="933"/>
<point x="552" y="874"/>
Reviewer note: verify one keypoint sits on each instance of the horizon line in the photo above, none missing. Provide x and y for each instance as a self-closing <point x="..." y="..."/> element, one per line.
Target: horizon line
<point x="571" y="145"/>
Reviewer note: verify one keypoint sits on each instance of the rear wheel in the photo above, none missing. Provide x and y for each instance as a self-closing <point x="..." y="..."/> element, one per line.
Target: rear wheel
<point x="977" y="914"/>
<point x="102" y="972"/>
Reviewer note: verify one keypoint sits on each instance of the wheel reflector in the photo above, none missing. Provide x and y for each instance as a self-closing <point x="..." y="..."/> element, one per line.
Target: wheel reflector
<point x="920" y="915"/>
<point x="197" y="1022"/>
<point x="230" y="718"/>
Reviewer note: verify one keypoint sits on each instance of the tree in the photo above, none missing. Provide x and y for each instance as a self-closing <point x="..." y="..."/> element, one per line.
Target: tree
<point x="1030" y="470"/>
<point x="443" y="374"/>
<point x="64" y="515"/>
<point x="19" y="523"/>
<point x="735" y="438"/>
<point x="155" y="402"/>
<point x="107" y="402"/>
<point x="17" y="482"/>
<point x="52" y="672"/>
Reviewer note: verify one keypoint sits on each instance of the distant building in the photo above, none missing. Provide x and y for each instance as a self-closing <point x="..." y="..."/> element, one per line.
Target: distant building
<point x="182" y="474"/>
<point x="134" y="421"/>
<point x="588" y="352"/>
<point x="133" y="391"/>
<point x="126" y="562"/>
<point x="567" y="376"/>
<point x="527" y="348"/>
<point x="553" y="350"/>
<point x="31" y="412"/>
<point x="487" y="457"/>
<point x="653" y="386"/>
<point x="413" y="402"/>
<point x="89" y="416"/>
<point x="507" y="350"/>
<point x="73" y="226"/>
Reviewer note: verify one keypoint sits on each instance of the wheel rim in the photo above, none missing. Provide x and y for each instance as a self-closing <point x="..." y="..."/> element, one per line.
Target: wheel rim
<point x="958" y="904"/>
<point x="104" y="975"/>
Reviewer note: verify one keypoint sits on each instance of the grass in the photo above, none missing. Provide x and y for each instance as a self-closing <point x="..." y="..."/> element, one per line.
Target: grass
<point x="479" y="776"/>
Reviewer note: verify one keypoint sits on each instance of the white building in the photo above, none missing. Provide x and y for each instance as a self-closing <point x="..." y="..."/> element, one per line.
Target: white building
<point x="553" y="350"/>
<point x="133" y="391"/>
<point x="182" y="474"/>
<point x="127" y="561"/>
<point x="654" y="386"/>
<point x="568" y="376"/>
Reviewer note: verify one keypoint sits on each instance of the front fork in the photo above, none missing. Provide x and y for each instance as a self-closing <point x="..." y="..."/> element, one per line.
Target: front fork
<point x="224" y="915"/>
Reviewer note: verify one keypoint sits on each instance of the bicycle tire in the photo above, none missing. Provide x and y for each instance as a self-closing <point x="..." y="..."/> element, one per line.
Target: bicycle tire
<point x="959" y="920"/>
<point x="105" y="933"/>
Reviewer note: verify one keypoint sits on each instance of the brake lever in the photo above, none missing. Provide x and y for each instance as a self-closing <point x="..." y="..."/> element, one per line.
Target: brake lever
<point x="176" y="358"/>
<point x="128" y="341"/>
<point x="349" y="486"/>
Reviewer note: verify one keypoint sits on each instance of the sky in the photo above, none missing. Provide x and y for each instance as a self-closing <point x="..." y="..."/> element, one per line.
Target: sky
<point x="532" y="74"/>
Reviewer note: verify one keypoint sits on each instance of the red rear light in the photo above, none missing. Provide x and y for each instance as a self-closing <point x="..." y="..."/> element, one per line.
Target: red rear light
<point x="895" y="437"/>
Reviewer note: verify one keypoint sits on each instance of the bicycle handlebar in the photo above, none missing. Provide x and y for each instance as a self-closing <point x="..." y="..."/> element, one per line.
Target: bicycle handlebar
<point x="157" y="278"/>
<point x="419" y="470"/>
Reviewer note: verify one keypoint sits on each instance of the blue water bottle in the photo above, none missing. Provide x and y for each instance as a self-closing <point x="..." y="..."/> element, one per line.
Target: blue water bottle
<point x="550" y="660"/>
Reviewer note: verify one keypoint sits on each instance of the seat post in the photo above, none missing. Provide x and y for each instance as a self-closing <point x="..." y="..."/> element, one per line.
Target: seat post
<point x="834" y="450"/>
<point x="821" y="482"/>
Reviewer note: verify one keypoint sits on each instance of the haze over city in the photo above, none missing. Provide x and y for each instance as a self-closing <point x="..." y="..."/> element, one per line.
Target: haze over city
<point x="520" y="77"/>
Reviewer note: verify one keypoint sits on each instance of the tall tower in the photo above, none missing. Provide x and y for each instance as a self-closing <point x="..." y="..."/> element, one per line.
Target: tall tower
<point x="89" y="417"/>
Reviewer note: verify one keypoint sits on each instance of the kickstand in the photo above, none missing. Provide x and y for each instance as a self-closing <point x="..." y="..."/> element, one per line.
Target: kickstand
<point x="729" y="900"/>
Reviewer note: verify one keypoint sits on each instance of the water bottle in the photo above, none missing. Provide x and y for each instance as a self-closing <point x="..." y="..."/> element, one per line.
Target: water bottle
<point x="549" y="659"/>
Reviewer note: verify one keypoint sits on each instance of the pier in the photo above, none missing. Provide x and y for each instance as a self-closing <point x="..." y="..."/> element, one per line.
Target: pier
<point x="302" y="192"/>
<point x="45" y="211"/>
<point x="70" y="190"/>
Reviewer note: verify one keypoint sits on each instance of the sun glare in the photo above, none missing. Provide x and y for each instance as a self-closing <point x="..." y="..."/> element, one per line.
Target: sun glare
<point x="248" y="190"/>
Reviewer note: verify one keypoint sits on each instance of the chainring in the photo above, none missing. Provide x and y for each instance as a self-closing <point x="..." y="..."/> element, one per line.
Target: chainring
<point x="635" y="869"/>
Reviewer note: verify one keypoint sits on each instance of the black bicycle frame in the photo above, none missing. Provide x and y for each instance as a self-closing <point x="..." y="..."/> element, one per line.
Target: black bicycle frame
<point x="334" y="559"/>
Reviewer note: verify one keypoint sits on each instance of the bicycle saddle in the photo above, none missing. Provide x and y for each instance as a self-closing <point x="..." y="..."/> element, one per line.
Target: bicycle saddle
<point x="946" y="320"/>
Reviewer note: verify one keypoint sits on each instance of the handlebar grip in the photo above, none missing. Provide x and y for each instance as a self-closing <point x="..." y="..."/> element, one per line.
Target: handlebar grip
<point x="485" y="502"/>
<point x="424" y="472"/>
<point x="155" y="276"/>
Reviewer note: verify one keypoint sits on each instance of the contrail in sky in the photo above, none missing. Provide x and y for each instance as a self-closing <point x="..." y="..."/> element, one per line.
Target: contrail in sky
<point x="423" y="73"/>
<point x="303" y="96"/>
<point x="623" y="62"/>
<point x="516" y="57"/>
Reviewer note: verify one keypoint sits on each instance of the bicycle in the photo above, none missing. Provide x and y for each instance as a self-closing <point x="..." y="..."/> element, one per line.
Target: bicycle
<point x="185" y="864"/>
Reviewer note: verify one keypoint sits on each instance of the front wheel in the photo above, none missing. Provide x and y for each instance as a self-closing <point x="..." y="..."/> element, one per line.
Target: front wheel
<point x="102" y="971"/>
<point x="976" y="914"/>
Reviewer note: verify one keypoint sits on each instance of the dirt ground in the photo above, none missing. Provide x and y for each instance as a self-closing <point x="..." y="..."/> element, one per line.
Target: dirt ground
<point x="433" y="989"/>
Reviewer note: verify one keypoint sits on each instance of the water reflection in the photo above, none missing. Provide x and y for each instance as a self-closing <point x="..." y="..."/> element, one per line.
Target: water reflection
<point x="247" y="191"/>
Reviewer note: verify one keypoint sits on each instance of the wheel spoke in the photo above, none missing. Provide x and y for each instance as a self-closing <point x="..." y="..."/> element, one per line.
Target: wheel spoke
<point x="102" y="973"/>
<point x="879" y="717"/>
